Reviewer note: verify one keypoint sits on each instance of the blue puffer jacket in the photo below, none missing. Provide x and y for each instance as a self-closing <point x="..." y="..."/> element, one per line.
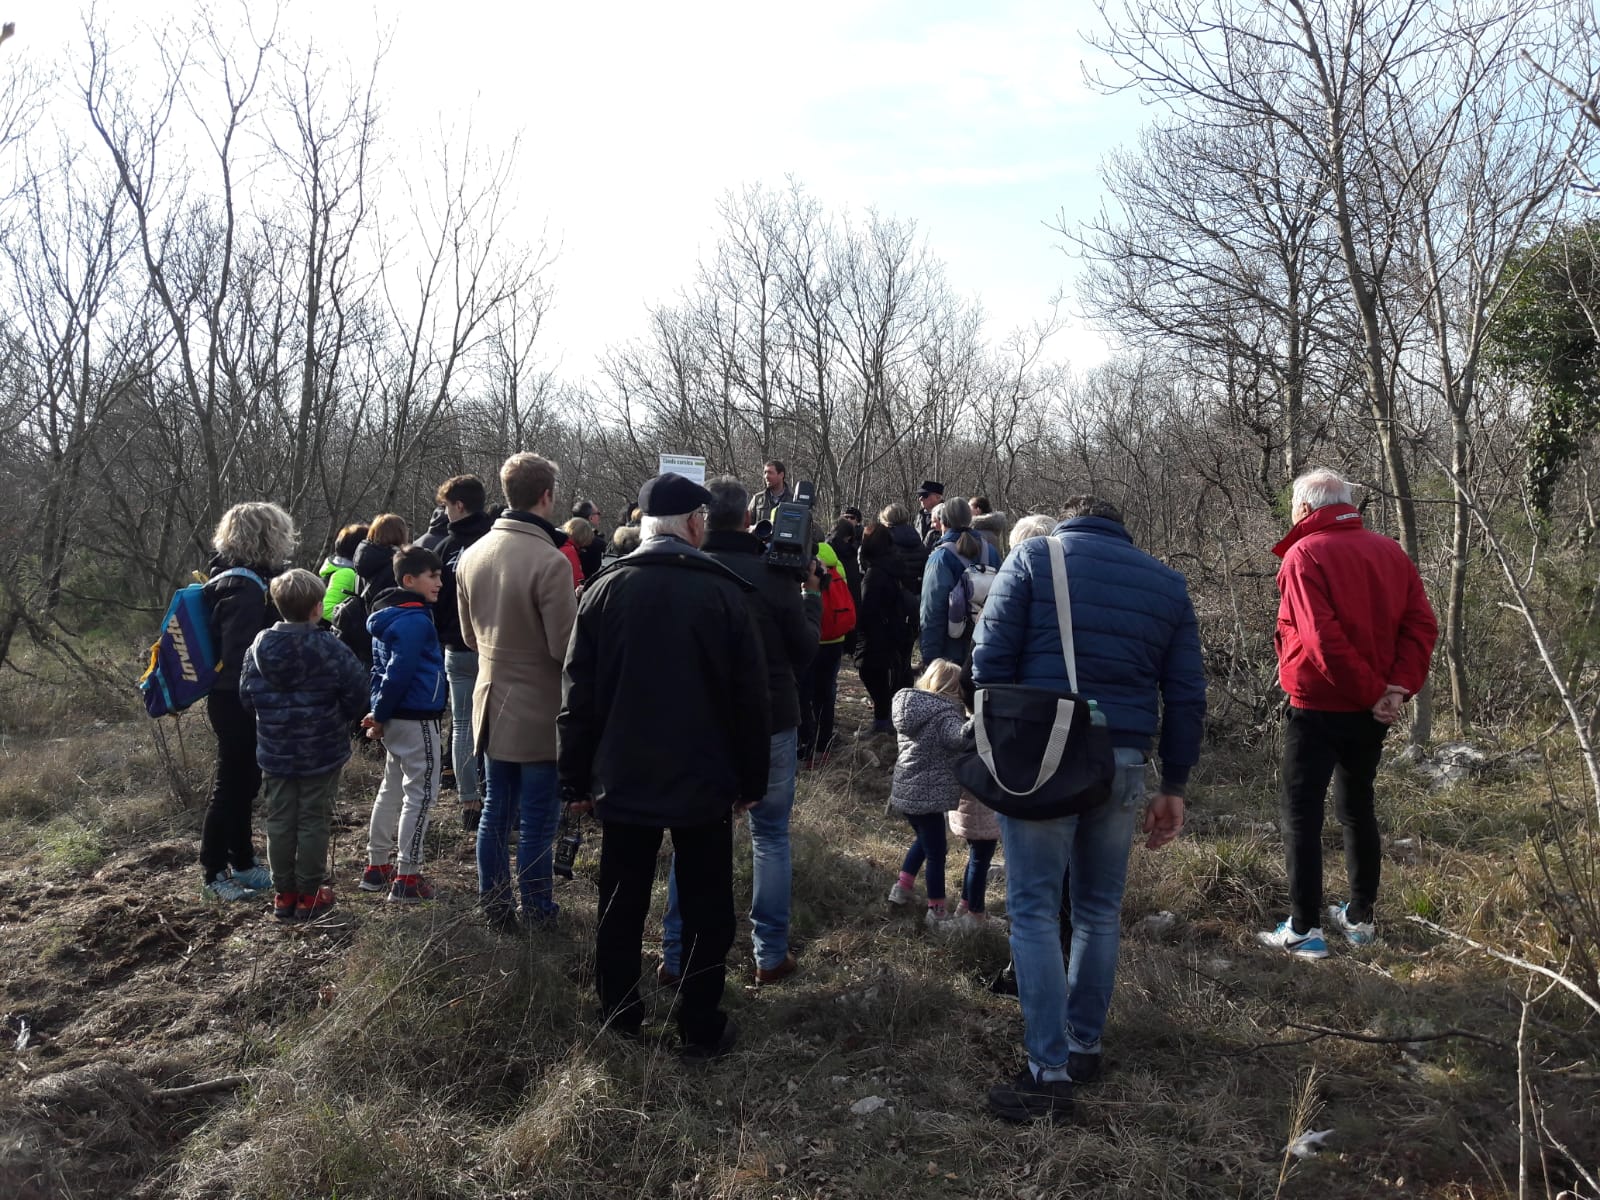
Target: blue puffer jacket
<point x="305" y="688"/>
<point x="1138" y="646"/>
<point x="407" y="660"/>
<point x="944" y="568"/>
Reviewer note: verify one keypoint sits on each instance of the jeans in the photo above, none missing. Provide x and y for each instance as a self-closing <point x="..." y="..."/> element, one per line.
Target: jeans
<point x="770" y="870"/>
<point x="461" y="669"/>
<point x="528" y="792"/>
<point x="1319" y="747"/>
<point x="930" y="846"/>
<point x="627" y="876"/>
<point x="225" y="836"/>
<point x="819" y="690"/>
<point x="975" y="883"/>
<point x="1064" y="1008"/>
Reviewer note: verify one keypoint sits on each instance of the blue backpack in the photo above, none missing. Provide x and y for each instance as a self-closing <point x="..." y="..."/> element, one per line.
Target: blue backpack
<point x="183" y="663"/>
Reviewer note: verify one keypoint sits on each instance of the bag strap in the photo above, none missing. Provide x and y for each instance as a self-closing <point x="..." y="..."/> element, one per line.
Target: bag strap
<point x="1058" y="575"/>
<point x="243" y="573"/>
<point x="1054" y="750"/>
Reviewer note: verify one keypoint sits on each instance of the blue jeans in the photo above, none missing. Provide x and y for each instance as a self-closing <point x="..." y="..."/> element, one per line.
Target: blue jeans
<point x="1064" y="1009"/>
<point x="975" y="883"/>
<point x="770" y="870"/>
<point x="461" y="669"/>
<point x="931" y="846"/>
<point x="528" y="792"/>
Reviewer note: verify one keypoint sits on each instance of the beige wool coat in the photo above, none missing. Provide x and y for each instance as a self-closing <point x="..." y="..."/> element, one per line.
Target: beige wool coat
<point x="514" y="593"/>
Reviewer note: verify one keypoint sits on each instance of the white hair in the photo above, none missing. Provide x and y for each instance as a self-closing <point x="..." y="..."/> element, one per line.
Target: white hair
<point x="675" y="526"/>
<point x="1031" y="526"/>
<point x="1320" y="488"/>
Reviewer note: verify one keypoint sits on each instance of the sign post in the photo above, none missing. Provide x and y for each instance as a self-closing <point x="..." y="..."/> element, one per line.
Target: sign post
<point x="690" y="466"/>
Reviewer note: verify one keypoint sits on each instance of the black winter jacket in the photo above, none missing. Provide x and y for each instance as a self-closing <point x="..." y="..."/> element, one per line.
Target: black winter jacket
<point x="886" y="619"/>
<point x="589" y="556"/>
<point x="239" y="610"/>
<point x="375" y="565"/>
<point x="449" y="545"/>
<point x="664" y="710"/>
<point x="790" y="619"/>
<point x="305" y="687"/>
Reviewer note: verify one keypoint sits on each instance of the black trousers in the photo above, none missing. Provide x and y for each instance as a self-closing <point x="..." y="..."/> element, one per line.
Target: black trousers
<point x="884" y="671"/>
<point x="819" y="693"/>
<point x="705" y="899"/>
<point x="225" y="836"/>
<point x="1344" y="748"/>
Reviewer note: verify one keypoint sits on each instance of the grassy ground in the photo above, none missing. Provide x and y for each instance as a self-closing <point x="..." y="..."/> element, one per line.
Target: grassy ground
<point x="409" y="1053"/>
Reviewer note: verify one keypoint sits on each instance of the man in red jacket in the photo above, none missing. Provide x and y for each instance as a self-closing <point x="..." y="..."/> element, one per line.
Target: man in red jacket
<point x="1355" y="635"/>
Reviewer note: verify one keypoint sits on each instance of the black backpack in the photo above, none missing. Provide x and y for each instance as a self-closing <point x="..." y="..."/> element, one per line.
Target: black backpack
<point x="350" y="623"/>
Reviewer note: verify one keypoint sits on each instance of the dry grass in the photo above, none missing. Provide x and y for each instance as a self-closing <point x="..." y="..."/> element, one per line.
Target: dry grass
<point x="410" y="1054"/>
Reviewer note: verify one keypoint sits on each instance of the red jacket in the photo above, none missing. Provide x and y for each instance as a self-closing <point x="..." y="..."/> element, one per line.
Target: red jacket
<point x="571" y="552"/>
<point x="1353" y="617"/>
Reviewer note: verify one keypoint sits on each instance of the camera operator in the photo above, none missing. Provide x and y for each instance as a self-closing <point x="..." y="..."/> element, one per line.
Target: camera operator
<point x="789" y="618"/>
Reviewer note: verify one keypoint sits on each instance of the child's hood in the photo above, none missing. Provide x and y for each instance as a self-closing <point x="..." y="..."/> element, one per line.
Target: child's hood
<point x="292" y="657"/>
<point x="914" y="709"/>
<point x="396" y="604"/>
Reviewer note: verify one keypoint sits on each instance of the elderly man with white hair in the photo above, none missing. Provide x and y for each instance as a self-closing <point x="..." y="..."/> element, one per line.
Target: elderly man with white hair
<point x="1355" y="636"/>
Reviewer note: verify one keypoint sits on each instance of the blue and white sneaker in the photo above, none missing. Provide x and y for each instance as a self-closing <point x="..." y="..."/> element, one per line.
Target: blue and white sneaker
<point x="1302" y="945"/>
<point x="226" y="887"/>
<point x="1357" y="933"/>
<point x="257" y="878"/>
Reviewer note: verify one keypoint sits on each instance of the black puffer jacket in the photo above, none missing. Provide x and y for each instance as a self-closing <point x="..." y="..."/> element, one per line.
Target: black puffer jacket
<point x="305" y="687"/>
<point x="239" y="610"/>
<point x="375" y="565"/>
<point x="664" y="710"/>
<point x="790" y="619"/>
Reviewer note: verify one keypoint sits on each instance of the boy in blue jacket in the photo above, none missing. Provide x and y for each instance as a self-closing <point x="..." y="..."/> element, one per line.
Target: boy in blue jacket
<point x="305" y="687"/>
<point x="408" y="700"/>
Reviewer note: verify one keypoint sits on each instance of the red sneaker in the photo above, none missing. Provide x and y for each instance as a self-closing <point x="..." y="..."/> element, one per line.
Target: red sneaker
<point x="315" y="905"/>
<point x="377" y="878"/>
<point x="408" y="889"/>
<point x="283" y="905"/>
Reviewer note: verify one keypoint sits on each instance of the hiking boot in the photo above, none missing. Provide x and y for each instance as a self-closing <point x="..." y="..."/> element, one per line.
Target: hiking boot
<point x="409" y="889"/>
<point x="502" y="919"/>
<point x="377" y="877"/>
<point x="1357" y="933"/>
<point x="226" y="887"/>
<point x="1084" y="1068"/>
<point x="1302" y="945"/>
<point x="469" y="818"/>
<point x="447" y="779"/>
<point x="283" y="904"/>
<point x="1028" y="1099"/>
<point x="314" y="904"/>
<point x="900" y="895"/>
<point x="255" y="877"/>
<point x="702" y="1052"/>
<point x="779" y="972"/>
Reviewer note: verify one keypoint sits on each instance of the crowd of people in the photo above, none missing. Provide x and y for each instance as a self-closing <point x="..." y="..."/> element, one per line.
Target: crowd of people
<point x="675" y="677"/>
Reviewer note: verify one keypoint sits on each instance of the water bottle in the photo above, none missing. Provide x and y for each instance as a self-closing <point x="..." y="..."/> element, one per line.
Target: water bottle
<point x="1096" y="717"/>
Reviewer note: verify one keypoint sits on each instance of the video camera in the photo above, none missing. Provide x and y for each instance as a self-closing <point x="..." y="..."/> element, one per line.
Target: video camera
<point x="790" y="547"/>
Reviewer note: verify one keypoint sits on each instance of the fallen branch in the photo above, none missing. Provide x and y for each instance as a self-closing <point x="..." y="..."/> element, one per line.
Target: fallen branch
<point x="224" y="1084"/>
<point x="1512" y="959"/>
<point x="1318" y="1032"/>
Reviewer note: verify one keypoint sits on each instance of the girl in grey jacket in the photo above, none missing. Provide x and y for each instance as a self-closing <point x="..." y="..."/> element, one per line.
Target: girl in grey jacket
<point x="931" y="724"/>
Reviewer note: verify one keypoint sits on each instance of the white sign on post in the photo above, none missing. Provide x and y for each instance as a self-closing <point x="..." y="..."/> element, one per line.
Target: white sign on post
<point x="690" y="466"/>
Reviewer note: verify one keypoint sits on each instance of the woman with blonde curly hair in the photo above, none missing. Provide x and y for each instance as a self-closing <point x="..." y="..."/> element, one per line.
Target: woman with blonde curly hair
<point x="253" y="542"/>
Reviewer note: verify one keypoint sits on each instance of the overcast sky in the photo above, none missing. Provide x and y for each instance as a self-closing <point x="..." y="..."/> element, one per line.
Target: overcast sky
<point x="971" y="119"/>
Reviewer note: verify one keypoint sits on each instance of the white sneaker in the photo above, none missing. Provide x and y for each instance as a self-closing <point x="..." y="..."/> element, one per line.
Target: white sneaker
<point x="1357" y="933"/>
<point x="941" y="921"/>
<point x="899" y="895"/>
<point x="1302" y="945"/>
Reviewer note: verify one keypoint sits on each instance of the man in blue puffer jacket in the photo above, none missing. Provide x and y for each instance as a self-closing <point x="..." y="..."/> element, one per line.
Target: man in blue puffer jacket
<point x="305" y="687"/>
<point x="1138" y="658"/>
<point x="408" y="700"/>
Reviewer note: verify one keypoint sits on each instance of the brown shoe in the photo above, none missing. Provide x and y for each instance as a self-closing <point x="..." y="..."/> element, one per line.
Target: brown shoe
<point x="779" y="973"/>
